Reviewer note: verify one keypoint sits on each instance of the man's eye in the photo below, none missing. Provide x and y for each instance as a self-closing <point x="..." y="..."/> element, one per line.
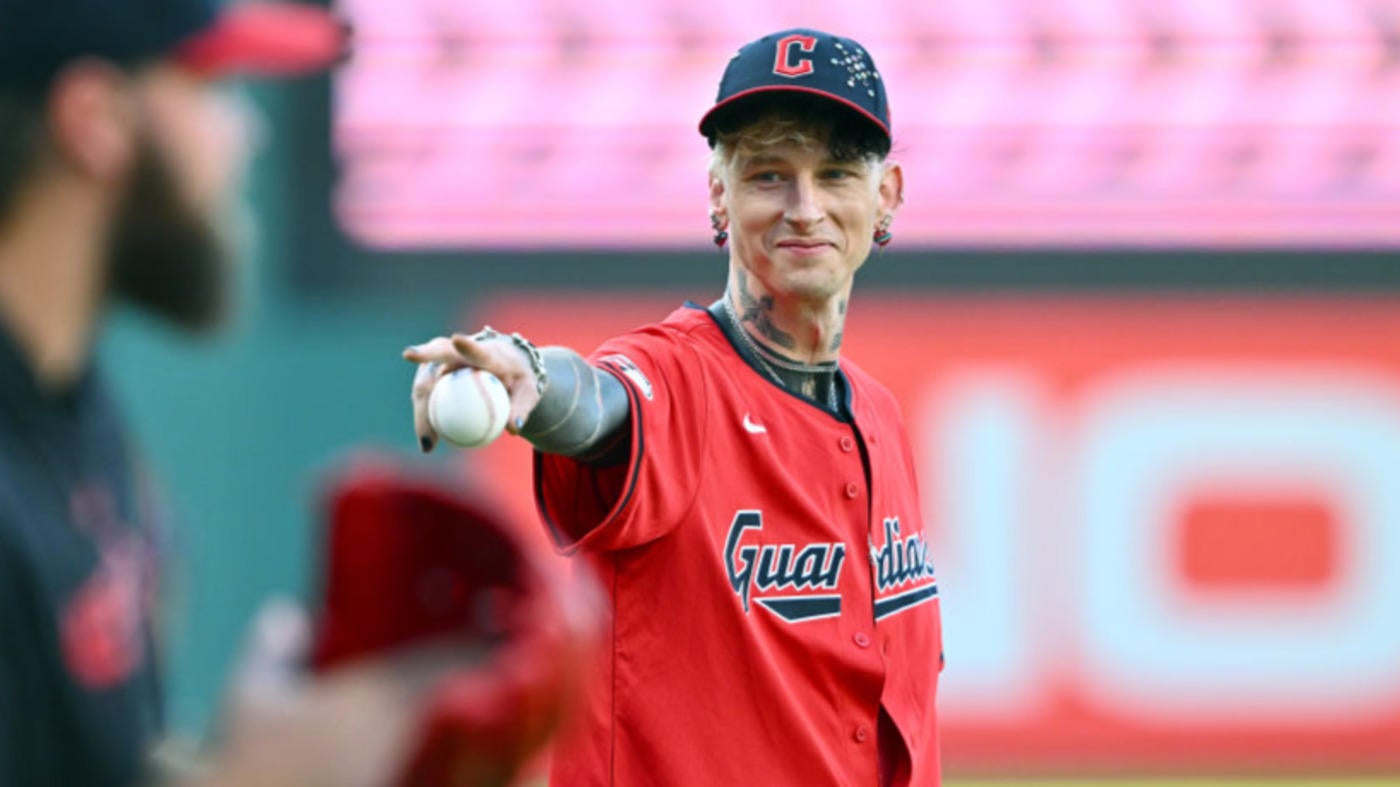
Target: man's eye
<point x="838" y="174"/>
<point x="766" y="176"/>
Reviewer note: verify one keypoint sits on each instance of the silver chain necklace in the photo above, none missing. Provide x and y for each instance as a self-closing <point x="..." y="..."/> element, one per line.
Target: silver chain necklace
<point x="758" y="354"/>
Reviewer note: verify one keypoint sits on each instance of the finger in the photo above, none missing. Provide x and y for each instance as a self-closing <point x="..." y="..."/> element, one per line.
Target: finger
<point x="423" y="381"/>
<point x="435" y="358"/>
<point x="524" y="395"/>
<point x="438" y="350"/>
<point x="481" y="356"/>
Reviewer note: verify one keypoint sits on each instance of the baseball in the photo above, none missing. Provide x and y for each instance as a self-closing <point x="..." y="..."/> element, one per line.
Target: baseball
<point x="469" y="407"/>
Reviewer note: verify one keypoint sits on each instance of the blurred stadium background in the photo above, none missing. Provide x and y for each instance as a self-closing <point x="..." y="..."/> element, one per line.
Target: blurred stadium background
<point x="1142" y="312"/>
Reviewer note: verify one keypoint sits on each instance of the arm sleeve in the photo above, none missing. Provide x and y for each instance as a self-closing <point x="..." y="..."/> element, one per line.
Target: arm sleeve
<point x="583" y="410"/>
<point x="605" y="507"/>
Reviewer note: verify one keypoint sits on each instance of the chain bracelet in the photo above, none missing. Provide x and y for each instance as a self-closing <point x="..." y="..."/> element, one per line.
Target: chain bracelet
<point x="488" y="333"/>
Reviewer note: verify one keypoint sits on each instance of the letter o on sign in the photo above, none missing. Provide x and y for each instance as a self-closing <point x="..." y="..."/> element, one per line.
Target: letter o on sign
<point x="1157" y="651"/>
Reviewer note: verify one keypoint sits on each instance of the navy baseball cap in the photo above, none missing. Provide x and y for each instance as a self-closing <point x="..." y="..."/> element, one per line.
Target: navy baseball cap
<point x="39" y="37"/>
<point x="802" y="62"/>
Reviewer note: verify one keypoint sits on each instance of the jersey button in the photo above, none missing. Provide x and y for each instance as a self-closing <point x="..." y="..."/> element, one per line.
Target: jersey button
<point x="862" y="732"/>
<point x="862" y="640"/>
<point x="847" y="444"/>
<point x="852" y="490"/>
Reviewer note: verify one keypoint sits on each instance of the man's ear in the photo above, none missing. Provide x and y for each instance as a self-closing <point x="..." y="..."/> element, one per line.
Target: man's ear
<point x="92" y="120"/>
<point x="718" y="202"/>
<point x="891" y="188"/>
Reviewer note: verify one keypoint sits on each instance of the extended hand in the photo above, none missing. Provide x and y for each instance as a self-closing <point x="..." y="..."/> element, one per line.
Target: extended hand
<point x="443" y="355"/>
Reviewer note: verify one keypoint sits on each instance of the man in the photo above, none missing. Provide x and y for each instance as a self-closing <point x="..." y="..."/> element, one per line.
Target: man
<point x="747" y="495"/>
<point x="117" y="156"/>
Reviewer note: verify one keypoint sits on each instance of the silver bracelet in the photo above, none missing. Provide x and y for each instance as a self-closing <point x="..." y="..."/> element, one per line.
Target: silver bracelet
<point x="488" y="333"/>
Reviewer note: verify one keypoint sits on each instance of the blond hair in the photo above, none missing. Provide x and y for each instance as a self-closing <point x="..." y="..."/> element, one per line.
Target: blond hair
<point x="778" y="128"/>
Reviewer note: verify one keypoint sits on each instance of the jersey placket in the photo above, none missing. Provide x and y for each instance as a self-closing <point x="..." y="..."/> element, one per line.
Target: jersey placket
<point x="855" y="493"/>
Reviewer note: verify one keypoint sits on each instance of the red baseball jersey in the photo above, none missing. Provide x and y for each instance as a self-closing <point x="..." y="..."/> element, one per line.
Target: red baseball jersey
<point x="775" y="608"/>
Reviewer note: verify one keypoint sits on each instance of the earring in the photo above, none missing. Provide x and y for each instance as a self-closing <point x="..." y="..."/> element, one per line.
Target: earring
<point x="721" y="235"/>
<point x="882" y="232"/>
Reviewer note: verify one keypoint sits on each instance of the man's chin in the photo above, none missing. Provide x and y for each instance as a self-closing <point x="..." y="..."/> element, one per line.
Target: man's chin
<point x="818" y="288"/>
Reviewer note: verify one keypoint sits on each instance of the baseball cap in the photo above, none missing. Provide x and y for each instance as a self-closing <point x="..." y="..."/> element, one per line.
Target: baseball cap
<point x="39" y="37"/>
<point x="801" y="62"/>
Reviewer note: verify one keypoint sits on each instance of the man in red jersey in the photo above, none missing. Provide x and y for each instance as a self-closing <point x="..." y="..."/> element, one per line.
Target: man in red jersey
<point x="747" y="495"/>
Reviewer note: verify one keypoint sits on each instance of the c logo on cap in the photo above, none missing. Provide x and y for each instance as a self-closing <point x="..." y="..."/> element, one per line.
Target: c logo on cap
<point x="783" y="65"/>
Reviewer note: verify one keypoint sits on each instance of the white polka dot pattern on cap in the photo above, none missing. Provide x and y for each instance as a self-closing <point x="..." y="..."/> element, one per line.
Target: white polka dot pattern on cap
<point x="858" y="66"/>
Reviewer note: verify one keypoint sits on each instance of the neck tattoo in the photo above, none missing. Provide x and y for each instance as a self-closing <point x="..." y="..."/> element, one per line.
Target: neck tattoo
<point x="767" y="359"/>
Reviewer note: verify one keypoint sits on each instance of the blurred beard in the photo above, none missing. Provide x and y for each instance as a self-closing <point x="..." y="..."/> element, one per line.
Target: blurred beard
<point x="166" y="257"/>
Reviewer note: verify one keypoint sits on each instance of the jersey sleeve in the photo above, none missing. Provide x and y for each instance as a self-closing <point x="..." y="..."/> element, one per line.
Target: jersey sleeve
<point x="633" y="503"/>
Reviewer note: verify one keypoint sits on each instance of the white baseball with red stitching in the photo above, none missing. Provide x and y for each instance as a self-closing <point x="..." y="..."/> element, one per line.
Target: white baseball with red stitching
<point x="469" y="407"/>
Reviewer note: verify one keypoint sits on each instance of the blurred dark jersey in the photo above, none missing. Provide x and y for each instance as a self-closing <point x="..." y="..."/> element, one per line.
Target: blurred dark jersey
<point x="79" y="698"/>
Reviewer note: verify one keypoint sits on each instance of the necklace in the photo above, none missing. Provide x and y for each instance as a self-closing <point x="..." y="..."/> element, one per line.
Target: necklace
<point x="758" y="355"/>
<point x="782" y="362"/>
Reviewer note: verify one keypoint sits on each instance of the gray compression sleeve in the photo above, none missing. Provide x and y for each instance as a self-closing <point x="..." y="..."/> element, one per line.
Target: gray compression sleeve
<point x="583" y="408"/>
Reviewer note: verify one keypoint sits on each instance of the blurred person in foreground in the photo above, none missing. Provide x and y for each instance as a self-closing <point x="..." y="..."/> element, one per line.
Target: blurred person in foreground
<point x="118" y="162"/>
<point x="745" y="491"/>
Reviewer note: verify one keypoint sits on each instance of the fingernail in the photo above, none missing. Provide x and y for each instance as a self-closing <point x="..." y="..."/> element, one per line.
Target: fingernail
<point x="425" y="444"/>
<point x="519" y="422"/>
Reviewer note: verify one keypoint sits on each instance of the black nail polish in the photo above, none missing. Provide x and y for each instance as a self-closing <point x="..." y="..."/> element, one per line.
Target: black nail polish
<point x="425" y="444"/>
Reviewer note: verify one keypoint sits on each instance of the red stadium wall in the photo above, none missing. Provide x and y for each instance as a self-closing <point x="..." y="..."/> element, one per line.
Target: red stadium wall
<point x="1169" y="527"/>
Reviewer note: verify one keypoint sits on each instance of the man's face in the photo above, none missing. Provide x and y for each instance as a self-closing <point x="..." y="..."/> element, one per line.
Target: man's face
<point x="801" y="221"/>
<point x="170" y="246"/>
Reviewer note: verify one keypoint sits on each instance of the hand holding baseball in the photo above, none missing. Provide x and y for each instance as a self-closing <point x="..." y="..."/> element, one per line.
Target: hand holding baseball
<point x="444" y="355"/>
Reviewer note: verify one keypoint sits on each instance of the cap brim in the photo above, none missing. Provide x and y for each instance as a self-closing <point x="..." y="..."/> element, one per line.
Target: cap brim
<point x="746" y="96"/>
<point x="267" y="39"/>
